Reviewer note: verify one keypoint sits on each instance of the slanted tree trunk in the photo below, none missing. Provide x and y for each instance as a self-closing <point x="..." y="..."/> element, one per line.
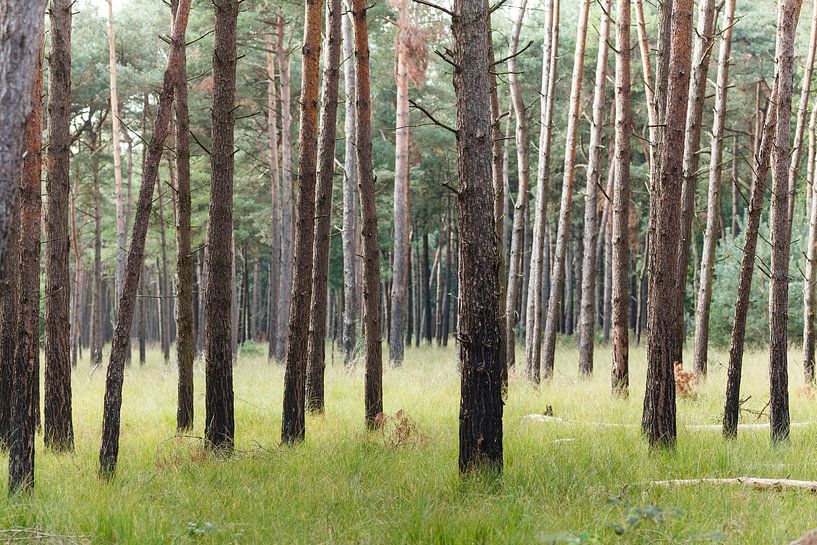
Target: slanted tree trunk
<point x="557" y="276"/>
<point x="713" y="199"/>
<point x="20" y="33"/>
<point x="760" y="169"/>
<point x="401" y="185"/>
<point x="659" y="399"/>
<point x="323" y="209"/>
<point x="274" y="289"/>
<point x="121" y="228"/>
<point x="515" y="269"/>
<point x="292" y="425"/>
<point x="621" y="203"/>
<point x="185" y="349"/>
<point x="780" y="225"/>
<point x="350" y="212"/>
<point x="703" y="42"/>
<point x="113" y="383"/>
<point x="533" y="326"/>
<point x="24" y="398"/>
<point x="587" y="303"/>
<point x="373" y="395"/>
<point x="479" y="325"/>
<point x="59" y="430"/>
<point x="802" y="111"/>
<point x="287" y="220"/>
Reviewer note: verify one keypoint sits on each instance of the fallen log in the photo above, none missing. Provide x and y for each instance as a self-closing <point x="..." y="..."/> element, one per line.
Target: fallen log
<point x="754" y="482"/>
<point x="809" y="538"/>
<point x="690" y="427"/>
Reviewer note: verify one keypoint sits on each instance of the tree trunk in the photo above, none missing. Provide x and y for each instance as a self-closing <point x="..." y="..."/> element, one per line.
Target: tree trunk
<point x="113" y="384"/>
<point x="533" y="326"/>
<point x="274" y="290"/>
<point x="371" y="252"/>
<point x="323" y="209"/>
<point x="704" y="40"/>
<point x="620" y="295"/>
<point x="292" y="425"/>
<point x="426" y="292"/>
<point x="557" y="276"/>
<point x="802" y="111"/>
<point x="713" y="199"/>
<point x="760" y="170"/>
<point x="350" y="197"/>
<point x="121" y="227"/>
<point x="665" y="231"/>
<point x="401" y="185"/>
<point x="481" y="402"/>
<point x="24" y="398"/>
<point x="588" y="287"/>
<point x="59" y="429"/>
<point x="185" y="349"/>
<point x="219" y="430"/>
<point x="780" y="225"/>
<point x="164" y="288"/>
<point x="287" y="220"/>
<point x="20" y="33"/>
<point x="515" y="270"/>
<point x="809" y="292"/>
<point x="96" y="278"/>
<point x="736" y="187"/>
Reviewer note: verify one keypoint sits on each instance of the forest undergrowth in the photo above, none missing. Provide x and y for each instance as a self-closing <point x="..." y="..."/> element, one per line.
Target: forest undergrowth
<point x="569" y="481"/>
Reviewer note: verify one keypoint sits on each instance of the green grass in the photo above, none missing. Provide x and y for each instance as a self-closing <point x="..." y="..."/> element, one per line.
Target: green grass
<point x="346" y="486"/>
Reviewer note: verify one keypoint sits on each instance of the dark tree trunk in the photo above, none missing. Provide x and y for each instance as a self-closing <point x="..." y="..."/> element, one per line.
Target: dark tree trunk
<point x="24" y="398"/>
<point x="185" y="349"/>
<point x="20" y="33"/>
<point x="426" y="291"/>
<point x="323" y="210"/>
<point x="274" y="288"/>
<point x="219" y="424"/>
<point x="59" y="431"/>
<point x="780" y="225"/>
<point x="659" y="399"/>
<point x="481" y="402"/>
<point x="292" y="425"/>
<point x="113" y="384"/>
<point x="373" y="395"/>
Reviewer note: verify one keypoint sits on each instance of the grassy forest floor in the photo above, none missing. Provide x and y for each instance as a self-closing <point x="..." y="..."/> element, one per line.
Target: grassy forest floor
<point x="346" y="486"/>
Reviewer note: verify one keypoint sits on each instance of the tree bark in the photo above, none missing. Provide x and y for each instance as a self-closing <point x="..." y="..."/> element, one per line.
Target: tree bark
<point x="292" y="425"/>
<point x="59" y="429"/>
<point x="274" y="288"/>
<point x="780" y="225"/>
<point x="20" y="33"/>
<point x="121" y="227"/>
<point x="113" y="384"/>
<point x="371" y="252"/>
<point x="401" y="185"/>
<point x="659" y="399"/>
<point x="24" y="398"/>
<point x="802" y="111"/>
<point x="809" y="291"/>
<point x="588" y="286"/>
<point x="713" y="200"/>
<point x="621" y="204"/>
<point x="557" y="276"/>
<point x="350" y="197"/>
<point x="703" y="42"/>
<point x="287" y="220"/>
<point x="533" y="326"/>
<point x="481" y="402"/>
<point x="515" y="269"/>
<point x="323" y="209"/>
<point x="185" y="349"/>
